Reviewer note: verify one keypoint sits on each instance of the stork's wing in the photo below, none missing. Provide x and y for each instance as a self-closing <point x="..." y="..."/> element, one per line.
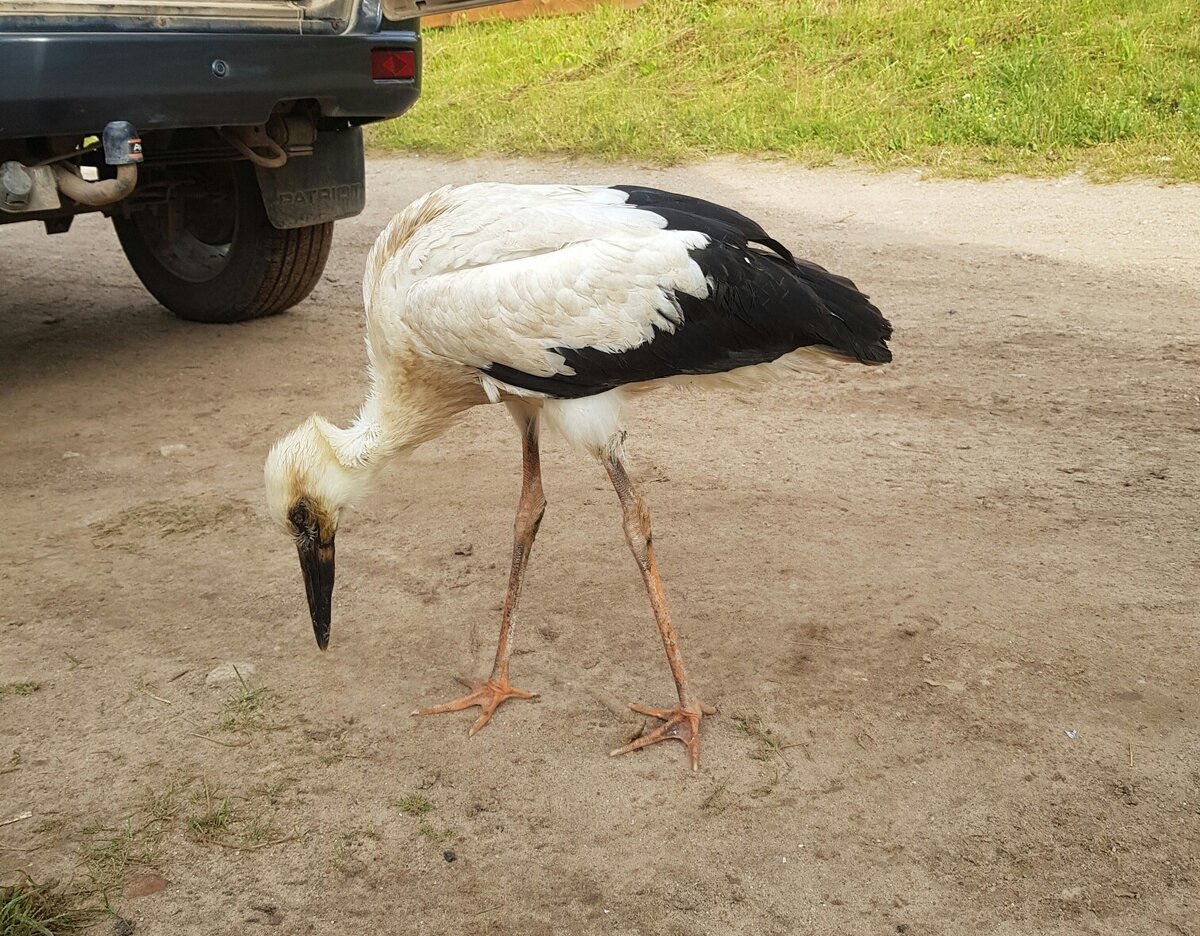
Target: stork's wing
<point x="569" y="292"/>
<point x="505" y="274"/>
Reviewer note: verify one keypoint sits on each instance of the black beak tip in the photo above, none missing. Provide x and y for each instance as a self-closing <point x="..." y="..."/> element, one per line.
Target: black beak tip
<point x="316" y="564"/>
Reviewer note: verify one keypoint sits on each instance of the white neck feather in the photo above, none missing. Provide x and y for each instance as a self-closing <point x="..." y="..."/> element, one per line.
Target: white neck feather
<point x="405" y="406"/>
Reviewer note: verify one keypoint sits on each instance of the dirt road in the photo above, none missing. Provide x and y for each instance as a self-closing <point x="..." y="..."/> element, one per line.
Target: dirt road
<point x="948" y="609"/>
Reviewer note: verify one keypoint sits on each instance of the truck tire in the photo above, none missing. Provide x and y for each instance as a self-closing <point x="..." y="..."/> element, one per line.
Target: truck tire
<point x="211" y="255"/>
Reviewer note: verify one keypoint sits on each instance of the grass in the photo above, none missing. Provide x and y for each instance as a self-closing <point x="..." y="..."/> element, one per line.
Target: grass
<point x="418" y="807"/>
<point x="768" y="743"/>
<point x="106" y="857"/>
<point x="963" y="87"/>
<point x="243" y="711"/>
<point x="238" y="823"/>
<point x="345" y="853"/>
<point x="415" y="805"/>
<point x="212" y="819"/>
<point x="109" y="854"/>
<point x="430" y="834"/>
<point x="29" y="909"/>
<point x="19" y="689"/>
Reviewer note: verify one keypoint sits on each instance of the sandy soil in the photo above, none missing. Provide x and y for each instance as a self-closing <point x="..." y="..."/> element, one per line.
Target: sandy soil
<point x="960" y="594"/>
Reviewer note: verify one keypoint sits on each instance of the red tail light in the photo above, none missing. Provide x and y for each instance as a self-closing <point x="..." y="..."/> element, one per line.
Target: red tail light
<point x="393" y="64"/>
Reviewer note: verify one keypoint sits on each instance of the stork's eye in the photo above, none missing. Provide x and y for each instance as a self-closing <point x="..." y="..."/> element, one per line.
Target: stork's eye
<point x="301" y="519"/>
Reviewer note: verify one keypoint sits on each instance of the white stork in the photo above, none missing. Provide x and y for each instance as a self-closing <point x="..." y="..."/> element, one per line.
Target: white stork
<point x="558" y="301"/>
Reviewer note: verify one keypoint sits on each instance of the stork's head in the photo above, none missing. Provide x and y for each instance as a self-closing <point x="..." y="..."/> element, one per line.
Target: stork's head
<point x="307" y="487"/>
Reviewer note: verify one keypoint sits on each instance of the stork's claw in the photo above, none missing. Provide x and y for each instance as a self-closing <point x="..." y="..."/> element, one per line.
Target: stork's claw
<point x="678" y="723"/>
<point x="487" y="695"/>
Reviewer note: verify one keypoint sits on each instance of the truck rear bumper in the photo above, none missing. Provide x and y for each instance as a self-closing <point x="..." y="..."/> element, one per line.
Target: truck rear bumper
<point x="74" y="83"/>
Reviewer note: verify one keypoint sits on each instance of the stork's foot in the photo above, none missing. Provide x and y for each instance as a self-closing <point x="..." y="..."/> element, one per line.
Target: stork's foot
<point x="487" y="695"/>
<point x="679" y="724"/>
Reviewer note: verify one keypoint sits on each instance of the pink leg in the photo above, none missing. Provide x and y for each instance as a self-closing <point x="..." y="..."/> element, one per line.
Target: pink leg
<point x="681" y="723"/>
<point x="496" y="688"/>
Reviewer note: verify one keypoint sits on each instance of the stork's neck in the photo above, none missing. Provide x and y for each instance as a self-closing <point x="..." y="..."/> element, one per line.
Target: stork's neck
<point x="400" y="412"/>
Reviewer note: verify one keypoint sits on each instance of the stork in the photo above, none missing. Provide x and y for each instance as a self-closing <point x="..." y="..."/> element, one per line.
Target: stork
<point x="558" y="301"/>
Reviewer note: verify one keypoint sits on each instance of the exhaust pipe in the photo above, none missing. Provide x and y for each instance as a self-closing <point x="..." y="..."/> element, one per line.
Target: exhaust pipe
<point x="123" y="149"/>
<point x="93" y="194"/>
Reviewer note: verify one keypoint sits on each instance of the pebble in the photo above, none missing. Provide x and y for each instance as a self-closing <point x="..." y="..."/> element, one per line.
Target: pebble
<point x="227" y="675"/>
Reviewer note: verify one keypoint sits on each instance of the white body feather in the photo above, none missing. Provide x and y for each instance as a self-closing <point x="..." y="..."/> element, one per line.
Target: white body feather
<point x="505" y="273"/>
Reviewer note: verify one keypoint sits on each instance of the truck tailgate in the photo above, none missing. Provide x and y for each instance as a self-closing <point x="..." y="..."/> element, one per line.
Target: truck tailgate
<point x="181" y="15"/>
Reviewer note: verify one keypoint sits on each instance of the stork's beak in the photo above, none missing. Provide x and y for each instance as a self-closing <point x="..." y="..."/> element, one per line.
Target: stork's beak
<point x="316" y="562"/>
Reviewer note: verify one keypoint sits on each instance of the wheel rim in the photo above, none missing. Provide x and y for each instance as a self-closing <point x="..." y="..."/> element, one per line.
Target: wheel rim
<point x="192" y="234"/>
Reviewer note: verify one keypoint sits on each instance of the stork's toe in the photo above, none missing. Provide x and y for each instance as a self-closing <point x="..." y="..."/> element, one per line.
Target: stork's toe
<point x="488" y="695"/>
<point x="679" y="724"/>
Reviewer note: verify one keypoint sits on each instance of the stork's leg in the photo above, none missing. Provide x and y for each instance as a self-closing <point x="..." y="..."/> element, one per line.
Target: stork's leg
<point x="682" y="722"/>
<point x="496" y="688"/>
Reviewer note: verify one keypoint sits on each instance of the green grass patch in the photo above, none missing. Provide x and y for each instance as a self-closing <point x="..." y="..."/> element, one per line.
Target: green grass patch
<point x="239" y="823"/>
<point x="29" y="909"/>
<point x="110" y="854"/>
<point x="415" y="805"/>
<point x="213" y="819"/>
<point x="19" y="689"/>
<point x="419" y="807"/>
<point x="243" y="710"/>
<point x="963" y="87"/>
<point x="430" y="834"/>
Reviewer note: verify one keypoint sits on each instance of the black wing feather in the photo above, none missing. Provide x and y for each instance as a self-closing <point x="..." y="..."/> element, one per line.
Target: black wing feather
<point x="687" y="213"/>
<point x="761" y="306"/>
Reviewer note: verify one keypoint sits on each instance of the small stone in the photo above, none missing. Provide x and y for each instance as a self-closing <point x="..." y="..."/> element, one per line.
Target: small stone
<point x="166" y="451"/>
<point x="230" y="674"/>
<point x="465" y="549"/>
<point x="143" y="885"/>
<point x="450" y="856"/>
<point x="67" y="455"/>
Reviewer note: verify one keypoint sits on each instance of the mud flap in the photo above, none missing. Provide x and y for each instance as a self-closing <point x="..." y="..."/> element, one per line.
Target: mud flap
<point x="326" y="186"/>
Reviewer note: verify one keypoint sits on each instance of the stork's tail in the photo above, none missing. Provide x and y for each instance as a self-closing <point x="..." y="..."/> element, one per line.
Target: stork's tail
<point x="858" y="329"/>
